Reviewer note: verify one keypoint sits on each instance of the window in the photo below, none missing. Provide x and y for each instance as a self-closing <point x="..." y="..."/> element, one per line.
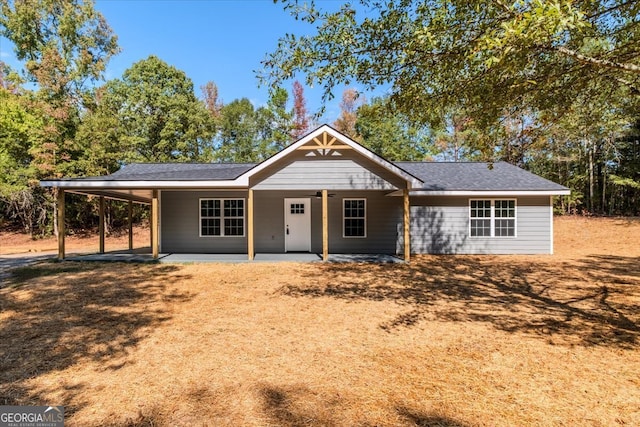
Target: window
<point x="492" y="218"/>
<point x="505" y="218"/>
<point x="297" y="208"/>
<point x="221" y="217"/>
<point x="480" y="218"/>
<point x="354" y="218"/>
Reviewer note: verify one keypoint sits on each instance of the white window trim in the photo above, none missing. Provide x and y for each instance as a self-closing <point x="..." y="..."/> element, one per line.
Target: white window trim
<point x="493" y="218"/>
<point x="222" y="217"/>
<point x="365" y="218"/>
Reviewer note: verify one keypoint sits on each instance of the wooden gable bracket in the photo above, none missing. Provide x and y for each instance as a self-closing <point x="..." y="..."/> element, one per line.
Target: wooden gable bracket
<point x="325" y="145"/>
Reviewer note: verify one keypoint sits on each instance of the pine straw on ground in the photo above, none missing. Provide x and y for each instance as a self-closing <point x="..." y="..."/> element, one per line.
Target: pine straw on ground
<point x="444" y="341"/>
<point x="14" y="242"/>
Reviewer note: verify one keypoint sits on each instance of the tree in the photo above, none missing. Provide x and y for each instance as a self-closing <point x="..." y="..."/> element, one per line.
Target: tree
<point x="482" y="55"/>
<point x="65" y="46"/>
<point x="391" y="135"/>
<point x="300" y="115"/>
<point x="152" y="115"/>
<point x="238" y="134"/>
<point x="65" y="43"/>
<point x="457" y="139"/>
<point x="346" y="123"/>
<point x="211" y="99"/>
<point x="275" y="123"/>
<point x="21" y="129"/>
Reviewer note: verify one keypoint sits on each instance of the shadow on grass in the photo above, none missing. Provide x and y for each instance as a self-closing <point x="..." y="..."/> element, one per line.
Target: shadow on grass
<point x="299" y="406"/>
<point x="590" y="301"/>
<point x="421" y="419"/>
<point x="57" y="314"/>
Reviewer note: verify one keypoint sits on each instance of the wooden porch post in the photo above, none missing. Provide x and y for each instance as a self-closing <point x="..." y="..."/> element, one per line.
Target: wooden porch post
<point x="130" y="215"/>
<point x="101" y="223"/>
<point x="61" y="229"/>
<point x="154" y="224"/>
<point x="250" y="248"/>
<point x="407" y="224"/>
<point x="325" y="226"/>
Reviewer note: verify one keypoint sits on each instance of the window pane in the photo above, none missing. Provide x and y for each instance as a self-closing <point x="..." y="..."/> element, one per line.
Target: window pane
<point x="354" y="209"/>
<point x="354" y="227"/>
<point x="480" y="209"/>
<point x="233" y="226"/>
<point x="297" y="208"/>
<point x="480" y="227"/>
<point x="505" y="227"/>
<point x="210" y="227"/>
<point x="210" y="208"/>
<point x="505" y="209"/>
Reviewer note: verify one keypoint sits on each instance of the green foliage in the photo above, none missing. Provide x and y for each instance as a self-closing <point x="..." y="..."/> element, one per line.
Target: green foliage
<point x="64" y="43"/>
<point x="391" y="135"/>
<point x="275" y="122"/>
<point x="238" y="133"/>
<point x="482" y="56"/>
<point x="150" y="115"/>
<point x="624" y="182"/>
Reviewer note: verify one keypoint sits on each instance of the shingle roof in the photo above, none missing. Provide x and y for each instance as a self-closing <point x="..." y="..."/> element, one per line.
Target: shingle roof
<point x="178" y="171"/>
<point x="437" y="176"/>
<point x="476" y="176"/>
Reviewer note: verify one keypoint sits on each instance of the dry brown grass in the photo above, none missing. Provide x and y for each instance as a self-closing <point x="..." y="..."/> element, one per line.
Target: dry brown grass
<point x="12" y="242"/>
<point x="444" y="341"/>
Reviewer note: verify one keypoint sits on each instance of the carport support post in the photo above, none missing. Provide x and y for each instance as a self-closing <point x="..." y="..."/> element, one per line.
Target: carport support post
<point x="154" y="224"/>
<point x="250" y="248"/>
<point x="407" y="223"/>
<point x="130" y="217"/>
<point x="101" y="223"/>
<point x="61" y="230"/>
<point x="325" y="227"/>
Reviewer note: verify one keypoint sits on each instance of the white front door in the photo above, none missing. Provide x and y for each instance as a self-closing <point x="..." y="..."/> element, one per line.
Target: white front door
<point x="297" y="225"/>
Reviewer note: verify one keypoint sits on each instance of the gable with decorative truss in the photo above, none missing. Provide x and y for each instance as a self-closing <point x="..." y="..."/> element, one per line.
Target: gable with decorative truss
<point x="324" y="145"/>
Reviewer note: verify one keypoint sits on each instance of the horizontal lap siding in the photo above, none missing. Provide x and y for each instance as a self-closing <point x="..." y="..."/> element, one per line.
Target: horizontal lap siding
<point x="323" y="174"/>
<point x="441" y="225"/>
<point x="269" y="218"/>
<point x="382" y="213"/>
<point x="180" y="223"/>
<point x="346" y="176"/>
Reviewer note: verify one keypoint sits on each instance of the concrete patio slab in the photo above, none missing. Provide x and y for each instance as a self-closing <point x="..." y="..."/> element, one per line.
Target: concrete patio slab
<point x="143" y="255"/>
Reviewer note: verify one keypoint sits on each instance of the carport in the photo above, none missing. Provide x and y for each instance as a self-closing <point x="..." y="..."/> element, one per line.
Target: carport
<point x="129" y="195"/>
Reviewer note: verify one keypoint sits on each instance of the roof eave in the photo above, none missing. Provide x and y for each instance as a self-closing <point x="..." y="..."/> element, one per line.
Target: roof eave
<point x="492" y="193"/>
<point x="240" y="182"/>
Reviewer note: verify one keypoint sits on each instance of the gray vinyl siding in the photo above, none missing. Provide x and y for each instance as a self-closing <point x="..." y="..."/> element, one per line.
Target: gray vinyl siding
<point x="344" y="172"/>
<point x="438" y="224"/>
<point x="327" y="174"/>
<point x="441" y="225"/>
<point x="381" y="217"/>
<point x="180" y="223"/>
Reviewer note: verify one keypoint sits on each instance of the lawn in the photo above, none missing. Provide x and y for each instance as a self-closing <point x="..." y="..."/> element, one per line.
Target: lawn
<point x="443" y="341"/>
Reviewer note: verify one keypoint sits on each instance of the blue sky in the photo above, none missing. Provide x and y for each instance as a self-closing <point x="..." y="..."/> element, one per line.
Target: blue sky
<point x="218" y="40"/>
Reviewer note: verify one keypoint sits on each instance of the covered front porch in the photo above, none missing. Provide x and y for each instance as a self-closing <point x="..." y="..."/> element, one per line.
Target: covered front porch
<point x="154" y="251"/>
